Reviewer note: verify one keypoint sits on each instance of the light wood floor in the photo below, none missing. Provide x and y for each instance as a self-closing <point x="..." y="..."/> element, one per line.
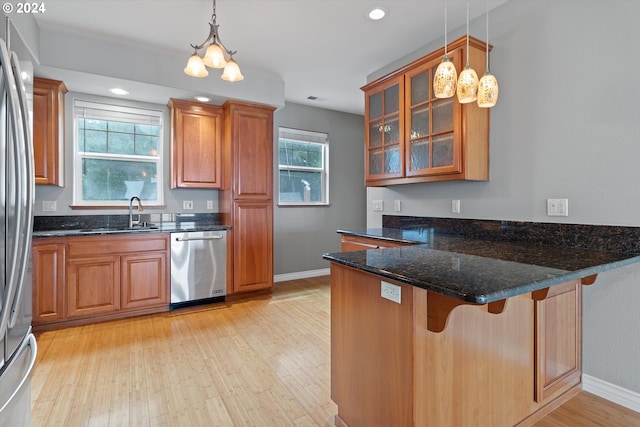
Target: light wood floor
<point x="263" y="362"/>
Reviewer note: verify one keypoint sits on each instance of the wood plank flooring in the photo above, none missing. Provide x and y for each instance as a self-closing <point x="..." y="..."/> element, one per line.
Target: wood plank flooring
<point x="263" y="362"/>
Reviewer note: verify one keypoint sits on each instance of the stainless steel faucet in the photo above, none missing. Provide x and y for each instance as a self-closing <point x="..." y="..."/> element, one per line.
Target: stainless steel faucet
<point x="131" y="223"/>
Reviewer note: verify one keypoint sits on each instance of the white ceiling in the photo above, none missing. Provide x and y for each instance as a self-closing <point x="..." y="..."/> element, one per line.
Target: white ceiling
<point x="322" y="48"/>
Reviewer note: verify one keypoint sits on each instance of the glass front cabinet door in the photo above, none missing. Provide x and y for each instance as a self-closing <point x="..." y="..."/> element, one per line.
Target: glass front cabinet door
<point x="383" y="131"/>
<point x="411" y="136"/>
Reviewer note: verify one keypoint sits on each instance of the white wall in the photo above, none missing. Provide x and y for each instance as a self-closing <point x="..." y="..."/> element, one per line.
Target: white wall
<point x="566" y="126"/>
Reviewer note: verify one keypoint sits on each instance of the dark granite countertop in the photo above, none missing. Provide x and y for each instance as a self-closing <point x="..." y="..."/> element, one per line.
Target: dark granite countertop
<point x="153" y="228"/>
<point x="92" y="225"/>
<point x="476" y="270"/>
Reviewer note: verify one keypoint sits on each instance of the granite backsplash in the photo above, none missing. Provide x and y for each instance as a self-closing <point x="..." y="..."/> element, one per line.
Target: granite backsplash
<point x="79" y="222"/>
<point x="621" y="239"/>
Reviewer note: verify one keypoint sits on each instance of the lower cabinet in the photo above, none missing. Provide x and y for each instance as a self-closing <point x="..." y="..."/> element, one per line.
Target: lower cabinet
<point x="93" y="286"/>
<point x="252" y="246"/>
<point x="143" y="280"/>
<point x="89" y="278"/>
<point x="49" y="295"/>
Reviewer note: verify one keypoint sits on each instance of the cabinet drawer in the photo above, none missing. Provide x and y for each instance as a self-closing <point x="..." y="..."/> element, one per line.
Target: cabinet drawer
<point x="101" y="245"/>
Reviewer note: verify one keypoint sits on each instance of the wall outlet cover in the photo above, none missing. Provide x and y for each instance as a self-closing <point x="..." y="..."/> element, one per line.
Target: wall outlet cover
<point x="390" y="292"/>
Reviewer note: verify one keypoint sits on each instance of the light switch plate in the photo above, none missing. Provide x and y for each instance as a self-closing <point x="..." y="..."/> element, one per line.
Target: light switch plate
<point x="378" y="205"/>
<point x="187" y="204"/>
<point x="49" y="206"/>
<point x="455" y="206"/>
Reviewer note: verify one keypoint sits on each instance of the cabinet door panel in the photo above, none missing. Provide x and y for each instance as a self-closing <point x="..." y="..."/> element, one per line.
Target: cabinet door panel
<point x="558" y="320"/>
<point x="48" y="131"/>
<point x="144" y="280"/>
<point x="252" y="246"/>
<point x="93" y="286"/>
<point x="48" y="282"/>
<point x="196" y="135"/>
<point x="253" y="153"/>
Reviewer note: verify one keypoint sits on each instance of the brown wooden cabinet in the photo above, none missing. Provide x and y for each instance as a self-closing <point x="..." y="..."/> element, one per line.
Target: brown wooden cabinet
<point x="143" y="280"/>
<point x="93" y="286"/>
<point x="411" y="136"/>
<point x="196" y="134"/>
<point x="48" y="281"/>
<point x="360" y="243"/>
<point x="48" y="131"/>
<point x="246" y="199"/>
<point x="82" y="279"/>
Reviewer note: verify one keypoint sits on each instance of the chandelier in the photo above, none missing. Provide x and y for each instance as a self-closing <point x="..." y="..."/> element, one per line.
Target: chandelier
<point x="216" y="56"/>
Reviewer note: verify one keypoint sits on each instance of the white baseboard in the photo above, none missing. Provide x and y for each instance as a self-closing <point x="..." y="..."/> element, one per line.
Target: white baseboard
<point x="621" y="396"/>
<point x="301" y="275"/>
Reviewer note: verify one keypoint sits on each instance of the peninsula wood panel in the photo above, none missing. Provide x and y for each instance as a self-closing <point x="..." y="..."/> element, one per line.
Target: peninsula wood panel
<point x="558" y="340"/>
<point x="481" y="362"/>
<point x="372" y="351"/>
<point x="93" y="285"/>
<point x="48" y="281"/>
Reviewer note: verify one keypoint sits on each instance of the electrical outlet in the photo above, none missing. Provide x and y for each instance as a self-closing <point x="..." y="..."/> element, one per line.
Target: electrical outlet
<point x="397" y="205"/>
<point x="557" y="207"/>
<point x="48" y="206"/>
<point x="187" y="205"/>
<point x="390" y="291"/>
<point x="209" y="204"/>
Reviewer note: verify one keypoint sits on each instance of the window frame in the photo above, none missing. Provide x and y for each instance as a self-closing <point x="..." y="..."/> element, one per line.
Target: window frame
<point x="305" y="137"/>
<point x="108" y="111"/>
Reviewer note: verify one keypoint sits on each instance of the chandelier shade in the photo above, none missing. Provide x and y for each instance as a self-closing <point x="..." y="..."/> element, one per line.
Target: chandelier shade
<point x="195" y="67"/>
<point x="216" y="56"/>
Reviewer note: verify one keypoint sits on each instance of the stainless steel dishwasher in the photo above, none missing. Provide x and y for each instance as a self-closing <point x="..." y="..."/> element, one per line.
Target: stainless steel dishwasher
<point x="198" y="267"/>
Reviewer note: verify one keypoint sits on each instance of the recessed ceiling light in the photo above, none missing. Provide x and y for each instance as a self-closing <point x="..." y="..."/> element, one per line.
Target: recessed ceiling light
<point x="377" y="13"/>
<point x="118" y="91"/>
<point x="202" y="98"/>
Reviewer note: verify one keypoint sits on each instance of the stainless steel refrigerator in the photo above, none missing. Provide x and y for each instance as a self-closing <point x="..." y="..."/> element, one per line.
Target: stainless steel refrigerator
<point x="17" y="343"/>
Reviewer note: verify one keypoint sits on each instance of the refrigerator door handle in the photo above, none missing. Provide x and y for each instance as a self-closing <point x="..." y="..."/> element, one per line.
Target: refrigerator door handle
<point x="28" y="190"/>
<point x="12" y="124"/>
<point x="29" y="341"/>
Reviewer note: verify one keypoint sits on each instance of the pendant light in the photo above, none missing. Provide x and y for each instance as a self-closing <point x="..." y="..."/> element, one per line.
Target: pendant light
<point x="468" y="81"/>
<point x="488" y="85"/>
<point x="216" y="56"/>
<point x="444" y="80"/>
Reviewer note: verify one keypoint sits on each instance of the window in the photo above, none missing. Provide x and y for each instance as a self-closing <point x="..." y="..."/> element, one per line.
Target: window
<point x="303" y="167"/>
<point x="118" y="154"/>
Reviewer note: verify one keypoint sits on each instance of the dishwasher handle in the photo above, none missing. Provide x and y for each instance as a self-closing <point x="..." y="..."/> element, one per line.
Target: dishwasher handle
<point x="190" y="239"/>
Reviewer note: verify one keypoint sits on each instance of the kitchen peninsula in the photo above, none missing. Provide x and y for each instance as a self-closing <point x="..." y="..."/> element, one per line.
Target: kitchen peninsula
<point x="479" y="322"/>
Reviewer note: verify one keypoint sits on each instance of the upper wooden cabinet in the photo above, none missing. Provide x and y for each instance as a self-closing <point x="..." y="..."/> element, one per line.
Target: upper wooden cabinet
<point x="48" y="131"/>
<point x="196" y="134"/>
<point x="412" y="136"/>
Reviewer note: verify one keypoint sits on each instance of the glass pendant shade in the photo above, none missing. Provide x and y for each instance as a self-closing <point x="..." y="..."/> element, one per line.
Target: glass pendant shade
<point x="487" y="91"/>
<point x="444" y="80"/>
<point x="195" y="67"/>
<point x="467" y="85"/>
<point x="232" y="72"/>
<point x="214" y="57"/>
